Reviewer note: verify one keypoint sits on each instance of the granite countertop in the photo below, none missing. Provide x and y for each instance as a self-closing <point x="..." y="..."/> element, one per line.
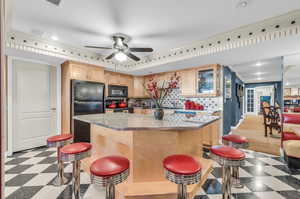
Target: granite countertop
<point x="127" y="121"/>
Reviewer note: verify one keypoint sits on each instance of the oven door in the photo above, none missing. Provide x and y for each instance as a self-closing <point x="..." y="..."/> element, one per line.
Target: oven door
<point x="117" y="91"/>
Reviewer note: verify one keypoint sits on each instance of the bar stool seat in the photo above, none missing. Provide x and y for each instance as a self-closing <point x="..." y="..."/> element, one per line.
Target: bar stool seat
<point x="60" y="138"/>
<point x="108" y="172"/>
<point x="229" y="158"/>
<point x="74" y="153"/>
<point x="59" y="141"/>
<point x="227" y="152"/>
<point x="79" y="147"/>
<point x="182" y="170"/>
<point x="109" y="166"/>
<point x="182" y="164"/>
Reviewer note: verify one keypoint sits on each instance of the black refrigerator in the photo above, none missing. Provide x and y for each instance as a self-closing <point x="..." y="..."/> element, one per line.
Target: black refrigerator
<point x="87" y="98"/>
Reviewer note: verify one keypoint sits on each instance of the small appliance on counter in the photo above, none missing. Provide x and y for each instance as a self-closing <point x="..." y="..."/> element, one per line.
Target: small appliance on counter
<point x="116" y="104"/>
<point x="190" y="105"/>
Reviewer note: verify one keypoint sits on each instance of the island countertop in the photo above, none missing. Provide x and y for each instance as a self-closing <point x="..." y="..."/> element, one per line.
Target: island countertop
<point x="129" y="121"/>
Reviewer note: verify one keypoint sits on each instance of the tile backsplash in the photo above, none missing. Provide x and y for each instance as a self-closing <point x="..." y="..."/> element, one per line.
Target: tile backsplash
<point x="176" y="100"/>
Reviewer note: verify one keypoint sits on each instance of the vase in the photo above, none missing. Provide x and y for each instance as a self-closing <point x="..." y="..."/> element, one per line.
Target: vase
<point x="159" y="113"/>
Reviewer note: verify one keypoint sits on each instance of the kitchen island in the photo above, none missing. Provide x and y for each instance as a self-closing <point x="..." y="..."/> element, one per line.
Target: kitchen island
<point x="146" y="142"/>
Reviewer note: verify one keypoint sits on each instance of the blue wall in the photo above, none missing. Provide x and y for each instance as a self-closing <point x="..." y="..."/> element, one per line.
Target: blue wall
<point x="277" y="85"/>
<point x="232" y="112"/>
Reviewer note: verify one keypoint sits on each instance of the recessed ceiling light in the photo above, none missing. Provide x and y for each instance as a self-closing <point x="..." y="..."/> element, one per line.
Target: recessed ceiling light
<point x="242" y="4"/>
<point x="53" y="37"/>
<point x="120" y="56"/>
<point x="258" y="64"/>
<point x="259" y="78"/>
<point x="259" y="73"/>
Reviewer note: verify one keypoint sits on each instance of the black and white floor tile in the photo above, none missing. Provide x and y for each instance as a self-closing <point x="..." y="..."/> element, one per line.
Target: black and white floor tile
<point x="29" y="175"/>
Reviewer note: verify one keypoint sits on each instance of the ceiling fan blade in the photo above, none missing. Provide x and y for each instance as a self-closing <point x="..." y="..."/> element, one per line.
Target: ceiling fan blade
<point x="132" y="56"/>
<point x="55" y="2"/>
<point x="98" y="47"/>
<point x="141" y="49"/>
<point x="110" y="56"/>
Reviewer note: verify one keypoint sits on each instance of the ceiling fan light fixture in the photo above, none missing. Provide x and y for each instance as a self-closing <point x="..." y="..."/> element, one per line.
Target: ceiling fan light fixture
<point x="120" y="56"/>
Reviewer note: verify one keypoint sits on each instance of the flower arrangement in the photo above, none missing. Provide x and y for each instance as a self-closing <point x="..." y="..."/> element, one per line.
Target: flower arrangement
<point x="159" y="90"/>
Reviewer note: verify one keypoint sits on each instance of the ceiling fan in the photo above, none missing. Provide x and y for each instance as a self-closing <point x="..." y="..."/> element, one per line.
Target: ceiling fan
<point x="122" y="51"/>
<point x="55" y="2"/>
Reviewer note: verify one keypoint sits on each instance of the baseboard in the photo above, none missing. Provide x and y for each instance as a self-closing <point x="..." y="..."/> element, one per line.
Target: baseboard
<point x="240" y="122"/>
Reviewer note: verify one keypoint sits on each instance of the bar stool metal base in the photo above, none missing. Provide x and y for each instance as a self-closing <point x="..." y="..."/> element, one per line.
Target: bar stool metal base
<point x="76" y="180"/>
<point x="236" y="183"/>
<point x="58" y="181"/>
<point x="228" y="167"/>
<point x="235" y="175"/>
<point x="110" y="191"/>
<point x="182" y="191"/>
<point x="226" y="182"/>
<point x="60" y="178"/>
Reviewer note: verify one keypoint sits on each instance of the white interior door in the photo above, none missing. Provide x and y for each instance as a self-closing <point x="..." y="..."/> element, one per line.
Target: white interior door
<point x="34" y="104"/>
<point x="250" y="101"/>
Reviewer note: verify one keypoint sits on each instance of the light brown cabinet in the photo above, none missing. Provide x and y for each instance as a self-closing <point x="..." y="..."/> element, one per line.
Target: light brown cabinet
<point x="86" y="72"/>
<point x="138" y="87"/>
<point x="190" y="81"/>
<point x="113" y="78"/>
<point x="78" y="71"/>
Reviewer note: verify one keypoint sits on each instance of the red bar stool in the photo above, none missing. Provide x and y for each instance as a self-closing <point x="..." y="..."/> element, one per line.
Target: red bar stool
<point x="74" y="153"/>
<point x="59" y="141"/>
<point x="228" y="157"/>
<point x="238" y="142"/>
<point x="183" y="170"/>
<point x="108" y="172"/>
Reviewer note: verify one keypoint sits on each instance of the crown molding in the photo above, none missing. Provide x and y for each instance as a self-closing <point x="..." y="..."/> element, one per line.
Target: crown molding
<point x="271" y="29"/>
<point x="280" y="27"/>
<point x="38" y="45"/>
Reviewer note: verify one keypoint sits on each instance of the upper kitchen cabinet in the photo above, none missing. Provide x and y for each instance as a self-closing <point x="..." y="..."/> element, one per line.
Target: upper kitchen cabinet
<point x="188" y="82"/>
<point x="201" y="81"/>
<point x="118" y="79"/>
<point x="85" y="72"/>
<point x="208" y="81"/>
<point x="138" y="87"/>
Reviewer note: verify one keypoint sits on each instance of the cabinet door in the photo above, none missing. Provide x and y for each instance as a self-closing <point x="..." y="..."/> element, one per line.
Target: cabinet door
<point x="129" y="83"/>
<point x="188" y="82"/>
<point x="113" y="78"/>
<point x="123" y="80"/>
<point x="138" y="87"/>
<point x="96" y="74"/>
<point x="79" y="72"/>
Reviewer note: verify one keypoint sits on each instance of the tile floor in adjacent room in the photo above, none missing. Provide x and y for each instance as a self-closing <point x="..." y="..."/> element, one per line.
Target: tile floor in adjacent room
<point x="29" y="174"/>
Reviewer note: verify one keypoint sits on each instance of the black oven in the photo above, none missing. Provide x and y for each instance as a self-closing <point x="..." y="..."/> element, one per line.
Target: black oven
<point x="117" y="91"/>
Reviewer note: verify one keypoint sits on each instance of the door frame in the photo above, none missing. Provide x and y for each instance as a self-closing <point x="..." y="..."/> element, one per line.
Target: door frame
<point x="246" y="104"/>
<point x="10" y="104"/>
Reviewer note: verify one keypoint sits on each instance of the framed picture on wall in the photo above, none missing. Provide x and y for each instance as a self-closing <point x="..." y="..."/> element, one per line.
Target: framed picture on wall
<point x="228" y="85"/>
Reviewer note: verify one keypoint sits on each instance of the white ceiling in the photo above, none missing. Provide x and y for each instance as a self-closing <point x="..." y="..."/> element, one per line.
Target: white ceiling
<point x="260" y="71"/>
<point x="159" y="24"/>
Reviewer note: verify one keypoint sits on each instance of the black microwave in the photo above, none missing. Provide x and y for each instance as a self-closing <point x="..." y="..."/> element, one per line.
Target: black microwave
<point x="117" y="91"/>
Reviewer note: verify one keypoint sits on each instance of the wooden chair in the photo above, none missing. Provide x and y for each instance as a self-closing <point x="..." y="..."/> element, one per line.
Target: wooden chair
<point x="271" y="116"/>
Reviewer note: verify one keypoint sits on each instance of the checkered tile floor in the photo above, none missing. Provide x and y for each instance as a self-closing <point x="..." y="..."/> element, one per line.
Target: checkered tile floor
<point x="29" y="174"/>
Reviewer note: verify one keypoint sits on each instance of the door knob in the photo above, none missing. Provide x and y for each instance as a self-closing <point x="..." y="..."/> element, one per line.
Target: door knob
<point x="53" y="109"/>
